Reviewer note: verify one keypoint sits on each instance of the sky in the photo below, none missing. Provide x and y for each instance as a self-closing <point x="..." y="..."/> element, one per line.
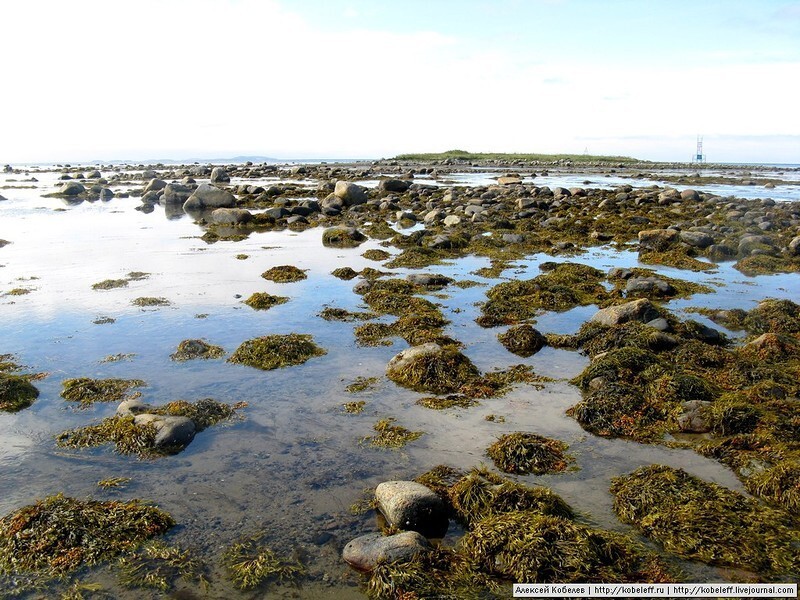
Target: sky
<point x="90" y="80"/>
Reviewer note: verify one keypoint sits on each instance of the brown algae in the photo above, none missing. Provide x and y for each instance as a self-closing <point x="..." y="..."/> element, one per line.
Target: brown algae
<point x="284" y="274"/>
<point x="113" y="482"/>
<point x="703" y="521"/>
<point x="110" y="284"/>
<point x="361" y="384"/>
<point x="87" y="391"/>
<point x="528" y="453"/>
<point x="276" y="351"/>
<point x="16" y="392"/>
<point x="251" y="565"/>
<point x="355" y="407"/>
<point x="431" y="368"/>
<point x="522" y="340"/>
<point x="146" y="301"/>
<point x="264" y="301"/>
<point x="159" y="566"/>
<point x="60" y="534"/>
<point x="194" y="349"/>
<point x="376" y="254"/>
<point x="389" y="435"/>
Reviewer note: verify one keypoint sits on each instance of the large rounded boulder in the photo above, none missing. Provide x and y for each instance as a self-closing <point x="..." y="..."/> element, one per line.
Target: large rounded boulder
<point x="431" y="368"/>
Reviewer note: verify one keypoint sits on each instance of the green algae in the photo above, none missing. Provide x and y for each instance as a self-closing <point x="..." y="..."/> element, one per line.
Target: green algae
<point x="389" y="435"/>
<point x="284" y="274"/>
<point x="523" y="453"/>
<point x="703" y="521"/>
<point x="87" y="391"/>
<point x="60" y="534"/>
<point x="264" y="301"/>
<point x="251" y="565"/>
<point x="196" y="349"/>
<point x="276" y="351"/>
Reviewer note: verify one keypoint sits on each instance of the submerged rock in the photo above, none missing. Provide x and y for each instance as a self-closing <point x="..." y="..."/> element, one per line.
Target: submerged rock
<point x="191" y="349"/>
<point x="231" y="216"/>
<point x="275" y="351"/>
<point x="411" y="506"/>
<point x="71" y="188"/>
<point x="171" y="431"/>
<point x="368" y="551"/>
<point x="342" y="237"/>
<point x="694" y="418"/>
<point x="522" y="340"/>
<point x="350" y="193"/>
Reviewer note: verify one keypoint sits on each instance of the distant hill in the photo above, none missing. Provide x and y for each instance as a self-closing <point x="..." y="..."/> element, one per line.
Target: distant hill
<point x="464" y="155"/>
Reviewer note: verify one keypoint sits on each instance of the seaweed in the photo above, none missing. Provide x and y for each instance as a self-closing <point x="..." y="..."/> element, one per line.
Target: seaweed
<point x="340" y="314"/>
<point x="355" y="407"/>
<point x="345" y="273"/>
<point x="276" y="351"/>
<point x="389" y="435"/>
<point x="251" y="565"/>
<point x="497" y="383"/>
<point x="376" y="254"/>
<point x="16" y="392"/>
<point x="480" y="494"/>
<point x="677" y="259"/>
<point x="528" y="453"/>
<point x="431" y="368"/>
<point x="150" y="301"/>
<point x="87" y="391"/>
<point x="157" y="565"/>
<point x="522" y="340"/>
<point x="449" y="401"/>
<point x="361" y="384"/>
<point x="264" y="301"/>
<point x="703" y="521"/>
<point x="779" y="484"/>
<point x="110" y="284"/>
<point x="526" y="546"/>
<point x="284" y="274"/>
<point x="113" y="482"/>
<point x="59" y="534"/>
<point x="194" y="349"/>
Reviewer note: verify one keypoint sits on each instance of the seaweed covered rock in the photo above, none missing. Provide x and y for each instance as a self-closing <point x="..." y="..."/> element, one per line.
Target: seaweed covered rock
<point x="264" y="301"/>
<point x="284" y="274"/>
<point x="60" y="534"/>
<point x="411" y="506"/>
<point x="275" y="351"/>
<point x="342" y="237"/>
<point x="368" y="551"/>
<point x="194" y="349"/>
<point x="528" y="453"/>
<point x="525" y="546"/>
<point x="431" y="368"/>
<point x="16" y="392"/>
<point x="703" y="521"/>
<point x="148" y="431"/>
<point x="522" y="340"/>
<point x="637" y="310"/>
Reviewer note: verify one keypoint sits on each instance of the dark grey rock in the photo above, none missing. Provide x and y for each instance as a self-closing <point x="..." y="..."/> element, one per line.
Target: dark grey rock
<point x="411" y="506"/>
<point x="231" y="216"/>
<point x="207" y="196"/>
<point x="219" y="175"/>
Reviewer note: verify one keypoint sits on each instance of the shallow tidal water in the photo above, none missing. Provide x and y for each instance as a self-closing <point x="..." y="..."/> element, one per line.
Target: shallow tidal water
<point x="292" y="465"/>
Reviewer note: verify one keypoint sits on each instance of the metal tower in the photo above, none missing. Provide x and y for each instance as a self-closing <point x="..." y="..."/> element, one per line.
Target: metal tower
<point x="699" y="157"/>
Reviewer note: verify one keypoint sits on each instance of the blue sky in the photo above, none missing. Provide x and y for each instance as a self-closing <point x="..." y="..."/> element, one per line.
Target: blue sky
<point x="89" y="79"/>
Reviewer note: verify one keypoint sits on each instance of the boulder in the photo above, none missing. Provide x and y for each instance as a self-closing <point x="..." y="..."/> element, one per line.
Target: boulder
<point x="394" y="185"/>
<point x="231" y="216"/>
<point x="411" y="506"/>
<point x="207" y="196"/>
<point x="651" y="286"/>
<point x="155" y="185"/>
<point x="657" y="239"/>
<point x="509" y="180"/>
<point x="94" y="175"/>
<point x="367" y="551"/>
<point x="170" y="431"/>
<point x="698" y="239"/>
<point x="690" y="195"/>
<point x="350" y="193"/>
<point x="452" y="220"/>
<point x="342" y="237"/>
<point x="638" y="310"/>
<point x="132" y="407"/>
<point x="522" y="340"/>
<point x="175" y="193"/>
<point x="794" y="246"/>
<point x="71" y="188"/>
<point x="219" y="175"/>
<point x="2" y="198"/>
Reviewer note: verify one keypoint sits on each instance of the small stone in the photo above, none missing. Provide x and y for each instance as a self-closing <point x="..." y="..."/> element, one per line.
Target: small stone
<point x="692" y="420"/>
